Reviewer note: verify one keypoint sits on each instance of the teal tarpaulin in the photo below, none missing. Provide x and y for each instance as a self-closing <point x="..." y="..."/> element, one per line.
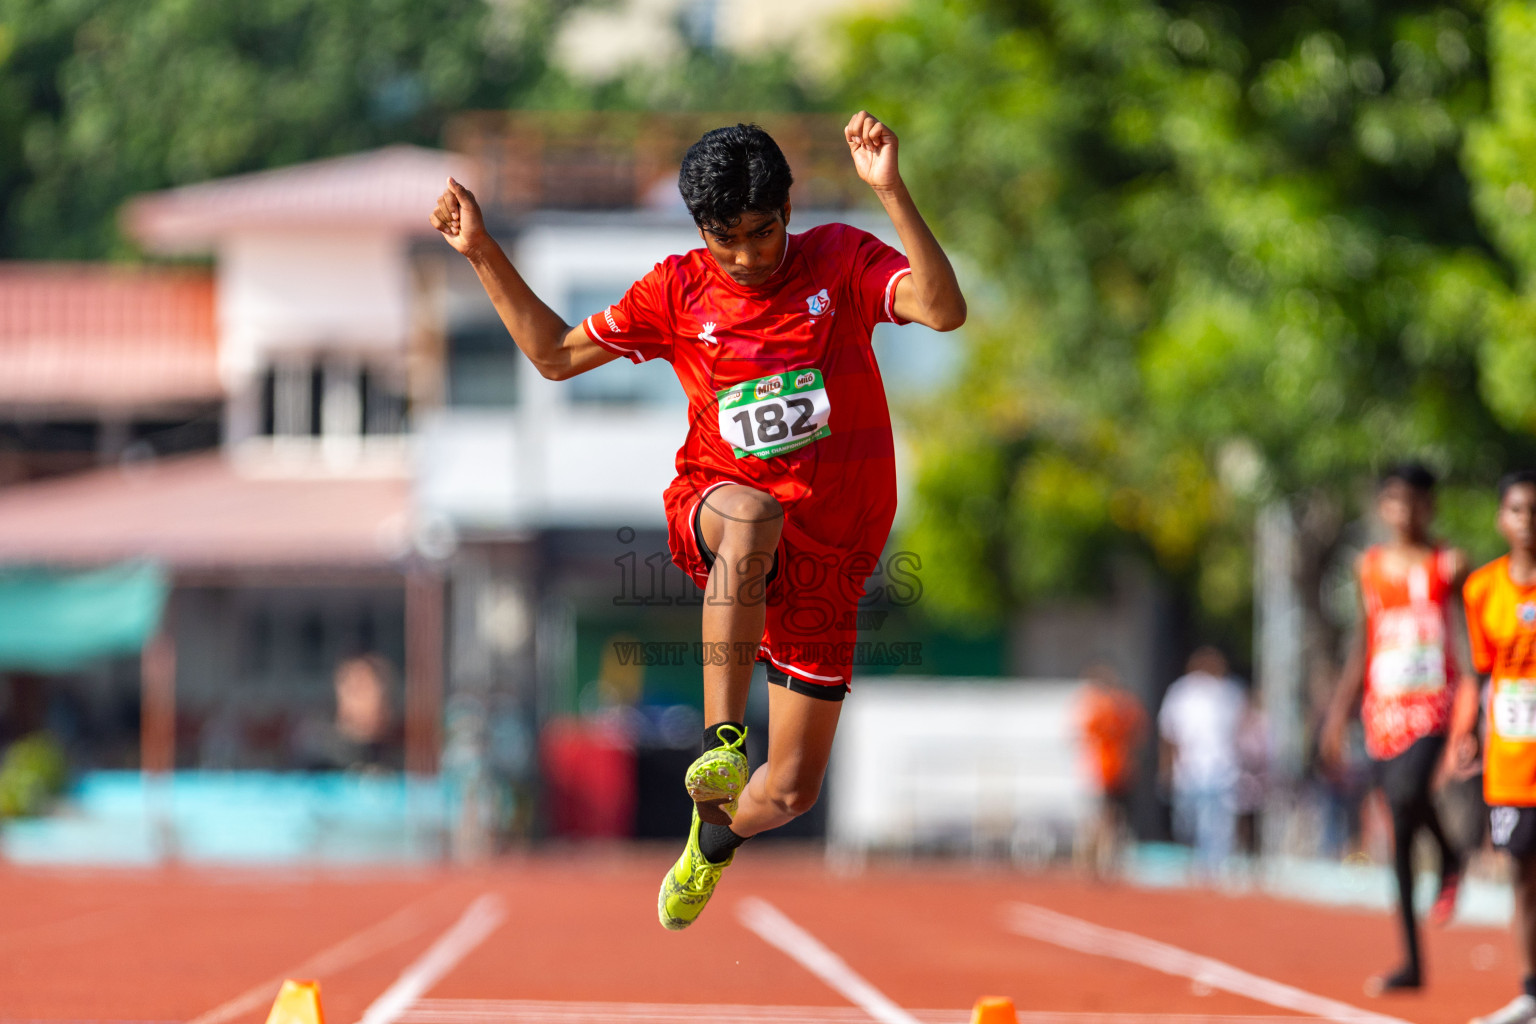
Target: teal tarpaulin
<point x="56" y="621"/>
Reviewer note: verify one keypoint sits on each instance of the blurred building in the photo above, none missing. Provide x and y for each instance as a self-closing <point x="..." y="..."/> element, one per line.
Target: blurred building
<point x="600" y="42"/>
<point x="288" y="546"/>
<point x="101" y="363"/>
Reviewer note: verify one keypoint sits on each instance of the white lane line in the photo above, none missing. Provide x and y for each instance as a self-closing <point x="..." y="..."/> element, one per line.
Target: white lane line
<point x="774" y="928"/>
<point x="543" y="1011"/>
<point x="362" y="945"/>
<point x="473" y="927"/>
<point x="1084" y="936"/>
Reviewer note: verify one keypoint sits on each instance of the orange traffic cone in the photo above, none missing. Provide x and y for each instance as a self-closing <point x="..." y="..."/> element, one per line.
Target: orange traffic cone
<point x="298" y="1002"/>
<point x="989" y="1010"/>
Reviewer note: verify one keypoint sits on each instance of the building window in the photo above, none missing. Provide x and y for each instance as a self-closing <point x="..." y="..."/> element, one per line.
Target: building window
<point x="482" y="366"/>
<point x="383" y="409"/>
<point x="331" y="398"/>
<point x="620" y="382"/>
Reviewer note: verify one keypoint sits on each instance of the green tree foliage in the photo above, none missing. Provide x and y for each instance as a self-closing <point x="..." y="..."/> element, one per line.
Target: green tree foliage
<point x="1232" y="258"/>
<point x="707" y="79"/>
<point x="1500" y="157"/>
<point x="100" y="99"/>
<point x="33" y="771"/>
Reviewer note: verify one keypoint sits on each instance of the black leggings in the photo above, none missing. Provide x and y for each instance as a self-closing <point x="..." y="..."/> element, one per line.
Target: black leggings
<point x="1405" y="781"/>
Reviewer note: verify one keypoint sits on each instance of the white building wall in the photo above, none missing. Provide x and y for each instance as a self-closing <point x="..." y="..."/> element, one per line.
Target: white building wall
<point x="286" y="291"/>
<point x="601" y="42"/>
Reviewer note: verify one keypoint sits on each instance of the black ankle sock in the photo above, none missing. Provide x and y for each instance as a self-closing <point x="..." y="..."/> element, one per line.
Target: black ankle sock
<point x="717" y="841"/>
<point x="1530" y="985"/>
<point x="713" y="739"/>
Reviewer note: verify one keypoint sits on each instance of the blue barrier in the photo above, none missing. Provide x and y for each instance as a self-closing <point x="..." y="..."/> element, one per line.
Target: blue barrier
<point x="122" y="818"/>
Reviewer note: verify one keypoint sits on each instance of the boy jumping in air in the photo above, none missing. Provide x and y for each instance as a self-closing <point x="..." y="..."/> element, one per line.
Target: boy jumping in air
<point x="786" y="482"/>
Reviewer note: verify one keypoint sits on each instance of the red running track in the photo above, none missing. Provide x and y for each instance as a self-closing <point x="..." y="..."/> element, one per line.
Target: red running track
<point x="577" y="934"/>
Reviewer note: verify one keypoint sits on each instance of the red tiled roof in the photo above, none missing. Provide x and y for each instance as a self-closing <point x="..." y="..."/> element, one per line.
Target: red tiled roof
<point x="197" y="512"/>
<point x="101" y="335"/>
<point x="393" y="187"/>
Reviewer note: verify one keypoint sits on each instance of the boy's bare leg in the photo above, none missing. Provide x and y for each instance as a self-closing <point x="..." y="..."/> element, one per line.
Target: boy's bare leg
<point x="741" y="525"/>
<point x="1521" y="1010"/>
<point x="799" y="746"/>
<point x="1525" y="912"/>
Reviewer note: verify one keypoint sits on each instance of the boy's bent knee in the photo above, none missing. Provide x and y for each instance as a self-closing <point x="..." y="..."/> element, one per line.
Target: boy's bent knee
<point x="795" y="798"/>
<point x="749" y="525"/>
<point x="743" y="506"/>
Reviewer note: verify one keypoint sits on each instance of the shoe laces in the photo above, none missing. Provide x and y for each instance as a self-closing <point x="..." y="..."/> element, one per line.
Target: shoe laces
<point x="733" y="745"/>
<point x="704" y="876"/>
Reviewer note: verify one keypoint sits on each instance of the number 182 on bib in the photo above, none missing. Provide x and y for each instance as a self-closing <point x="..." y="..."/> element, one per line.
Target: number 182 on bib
<point x="775" y="414"/>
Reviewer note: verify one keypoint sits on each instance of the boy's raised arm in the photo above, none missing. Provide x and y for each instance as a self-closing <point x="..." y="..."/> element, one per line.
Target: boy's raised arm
<point x="558" y="350"/>
<point x="930" y="295"/>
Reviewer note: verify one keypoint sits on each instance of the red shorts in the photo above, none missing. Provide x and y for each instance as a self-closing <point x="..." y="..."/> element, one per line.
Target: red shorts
<point x="812" y="615"/>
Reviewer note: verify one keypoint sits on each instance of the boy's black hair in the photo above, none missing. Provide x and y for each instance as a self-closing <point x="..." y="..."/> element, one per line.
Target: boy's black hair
<point x="732" y="171"/>
<point x="1415" y="474"/>
<point x="1514" y="479"/>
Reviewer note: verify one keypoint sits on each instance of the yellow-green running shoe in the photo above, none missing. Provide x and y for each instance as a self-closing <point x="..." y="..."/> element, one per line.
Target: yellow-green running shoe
<point x="689" y="884"/>
<point x="717" y="777"/>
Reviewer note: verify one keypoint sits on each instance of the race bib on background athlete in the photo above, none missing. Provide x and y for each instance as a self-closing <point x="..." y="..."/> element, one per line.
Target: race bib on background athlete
<point x="1514" y="709"/>
<point x="1408" y="652"/>
<point x="775" y="414"/>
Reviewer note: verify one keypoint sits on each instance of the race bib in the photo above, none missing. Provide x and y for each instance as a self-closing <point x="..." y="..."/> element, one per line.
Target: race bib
<point x="775" y="414"/>
<point x="1408" y="655"/>
<point x="1514" y="709"/>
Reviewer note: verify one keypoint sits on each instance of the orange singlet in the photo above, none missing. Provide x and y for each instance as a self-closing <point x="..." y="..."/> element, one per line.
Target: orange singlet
<point x="1409" y="665"/>
<point x="1501" y="623"/>
<point x="1112" y="723"/>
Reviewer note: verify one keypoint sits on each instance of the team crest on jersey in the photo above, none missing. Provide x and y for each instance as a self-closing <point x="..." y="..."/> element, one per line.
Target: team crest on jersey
<point x="707" y="335"/>
<point x="1527" y="612"/>
<point x="819" y="303"/>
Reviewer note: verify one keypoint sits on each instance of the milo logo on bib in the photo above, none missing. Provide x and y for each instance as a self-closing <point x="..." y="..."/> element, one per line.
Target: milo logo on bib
<point x="775" y="414"/>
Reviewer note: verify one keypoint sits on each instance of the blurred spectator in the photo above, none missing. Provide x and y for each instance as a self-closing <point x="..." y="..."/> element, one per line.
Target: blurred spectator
<point x="363" y="736"/>
<point x="1254" y="749"/>
<point x="1335" y="791"/>
<point x="1112" y="725"/>
<point x="1199" y="722"/>
<point x="364" y="713"/>
<point x="589" y="778"/>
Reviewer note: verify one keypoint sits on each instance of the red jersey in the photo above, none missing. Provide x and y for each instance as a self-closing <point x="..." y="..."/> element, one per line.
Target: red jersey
<point x="784" y="394"/>
<point x="1410" y="669"/>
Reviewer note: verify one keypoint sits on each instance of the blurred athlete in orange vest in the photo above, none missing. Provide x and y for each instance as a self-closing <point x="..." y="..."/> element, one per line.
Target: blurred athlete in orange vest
<point x="1113" y="726"/>
<point x="1402" y="671"/>
<point x="1501" y="623"/>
